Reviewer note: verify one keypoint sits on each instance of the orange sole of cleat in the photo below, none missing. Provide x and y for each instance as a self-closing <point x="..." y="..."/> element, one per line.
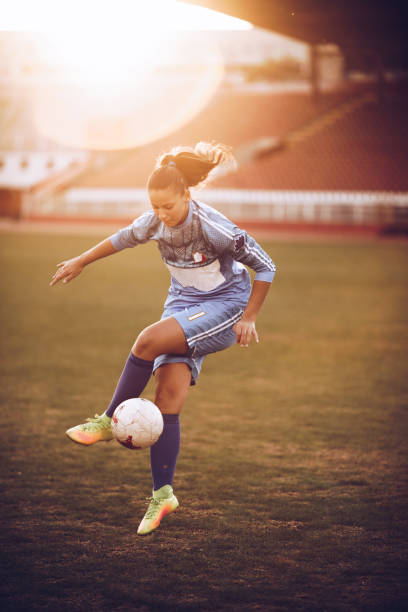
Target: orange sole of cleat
<point x="81" y="438"/>
<point x="163" y="513"/>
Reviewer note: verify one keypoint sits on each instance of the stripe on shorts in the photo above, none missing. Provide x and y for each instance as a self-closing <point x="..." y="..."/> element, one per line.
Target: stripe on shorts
<point x="215" y="330"/>
<point x="196" y="316"/>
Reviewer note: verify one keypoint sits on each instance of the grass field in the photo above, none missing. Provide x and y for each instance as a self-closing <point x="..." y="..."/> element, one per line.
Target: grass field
<point x="291" y="474"/>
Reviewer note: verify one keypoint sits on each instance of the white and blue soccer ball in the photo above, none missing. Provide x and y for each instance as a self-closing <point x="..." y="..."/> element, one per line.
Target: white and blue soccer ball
<point x="137" y="423"/>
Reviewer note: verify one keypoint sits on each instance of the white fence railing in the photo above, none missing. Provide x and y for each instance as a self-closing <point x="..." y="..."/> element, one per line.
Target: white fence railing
<point x="324" y="207"/>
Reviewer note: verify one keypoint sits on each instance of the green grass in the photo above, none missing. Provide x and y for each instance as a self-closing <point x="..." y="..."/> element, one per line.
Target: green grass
<point x="291" y="473"/>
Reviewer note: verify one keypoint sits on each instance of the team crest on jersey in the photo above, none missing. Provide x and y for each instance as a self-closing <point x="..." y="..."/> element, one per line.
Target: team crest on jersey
<point x="199" y="257"/>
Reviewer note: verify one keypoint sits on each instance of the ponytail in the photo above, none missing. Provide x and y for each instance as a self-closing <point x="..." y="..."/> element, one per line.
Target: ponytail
<point x="185" y="167"/>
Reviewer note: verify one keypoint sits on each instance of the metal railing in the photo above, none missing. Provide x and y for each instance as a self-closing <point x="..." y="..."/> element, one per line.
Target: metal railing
<point x="354" y="208"/>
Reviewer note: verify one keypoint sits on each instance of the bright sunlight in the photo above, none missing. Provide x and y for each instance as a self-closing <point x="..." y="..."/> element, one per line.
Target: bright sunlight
<point x="121" y="73"/>
<point x="48" y="15"/>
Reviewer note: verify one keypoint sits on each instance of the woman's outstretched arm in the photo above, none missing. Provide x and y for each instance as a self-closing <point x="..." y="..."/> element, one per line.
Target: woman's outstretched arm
<point x="69" y="269"/>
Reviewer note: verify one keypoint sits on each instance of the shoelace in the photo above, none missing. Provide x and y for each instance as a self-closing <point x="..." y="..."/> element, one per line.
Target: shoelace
<point x="98" y="421"/>
<point x="153" y="506"/>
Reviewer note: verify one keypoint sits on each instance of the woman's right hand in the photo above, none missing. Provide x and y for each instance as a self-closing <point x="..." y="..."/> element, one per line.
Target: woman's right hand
<point x="67" y="270"/>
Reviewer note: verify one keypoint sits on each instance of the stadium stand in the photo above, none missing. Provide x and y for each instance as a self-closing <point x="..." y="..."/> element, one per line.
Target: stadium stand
<point x="232" y="118"/>
<point x="33" y="176"/>
<point x="341" y="161"/>
<point x="366" y="149"/>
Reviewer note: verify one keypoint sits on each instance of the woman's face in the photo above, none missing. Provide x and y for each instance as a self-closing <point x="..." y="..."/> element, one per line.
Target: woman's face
<point x="170" y="206"/>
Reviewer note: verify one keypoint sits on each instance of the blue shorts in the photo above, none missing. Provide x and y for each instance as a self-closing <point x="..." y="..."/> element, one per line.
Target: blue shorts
<point x="208" y="329"/>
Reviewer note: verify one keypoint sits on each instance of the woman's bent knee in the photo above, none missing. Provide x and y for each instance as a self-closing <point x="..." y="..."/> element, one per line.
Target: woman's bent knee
<point x="143" y="344"/>
<point x="170" y="395"/>
<point x="165" y="336"/>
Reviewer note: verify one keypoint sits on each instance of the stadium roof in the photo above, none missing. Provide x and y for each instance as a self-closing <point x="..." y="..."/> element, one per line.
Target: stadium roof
<point x="368" y="26"/>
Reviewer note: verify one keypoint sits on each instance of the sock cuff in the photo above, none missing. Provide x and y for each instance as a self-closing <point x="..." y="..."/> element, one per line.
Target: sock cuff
<point x="142" y="363"/>
<point x="169" y="419"/>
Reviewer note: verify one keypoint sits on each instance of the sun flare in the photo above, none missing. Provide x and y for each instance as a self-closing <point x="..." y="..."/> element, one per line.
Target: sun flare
<point x="127" y="73"/>
<point x="126" y="97"/>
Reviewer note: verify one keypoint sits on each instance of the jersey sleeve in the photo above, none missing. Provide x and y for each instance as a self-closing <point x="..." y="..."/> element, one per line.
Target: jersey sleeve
<point x="229" y="239"/>
<point x="246" y="250"/>
<point x="140" y="231"/>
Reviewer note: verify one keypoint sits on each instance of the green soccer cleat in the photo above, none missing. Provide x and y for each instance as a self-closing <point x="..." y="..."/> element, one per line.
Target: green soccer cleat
<point x="95" y="430"/>
<point x="163" y="502"/>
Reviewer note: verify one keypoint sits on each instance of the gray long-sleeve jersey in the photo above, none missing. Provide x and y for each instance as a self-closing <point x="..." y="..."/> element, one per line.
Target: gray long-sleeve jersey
<point x="205" y="254"/>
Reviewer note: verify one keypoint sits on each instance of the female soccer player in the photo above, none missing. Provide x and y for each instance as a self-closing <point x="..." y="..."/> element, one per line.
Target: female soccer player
<point x="210" y="303"/>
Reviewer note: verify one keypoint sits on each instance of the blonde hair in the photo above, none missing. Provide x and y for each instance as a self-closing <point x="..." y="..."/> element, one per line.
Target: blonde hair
<point x="184" y="167"/>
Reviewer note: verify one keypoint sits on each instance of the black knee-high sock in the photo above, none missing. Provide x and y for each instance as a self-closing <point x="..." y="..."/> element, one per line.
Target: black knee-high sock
<point x="132" y="381"/>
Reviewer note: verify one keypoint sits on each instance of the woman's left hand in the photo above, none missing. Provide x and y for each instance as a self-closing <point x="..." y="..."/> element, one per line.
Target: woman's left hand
<point x="245" y="330"/>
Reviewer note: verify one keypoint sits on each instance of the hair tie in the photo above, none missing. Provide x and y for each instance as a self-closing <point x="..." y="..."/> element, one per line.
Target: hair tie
<point x="171" y="163"/>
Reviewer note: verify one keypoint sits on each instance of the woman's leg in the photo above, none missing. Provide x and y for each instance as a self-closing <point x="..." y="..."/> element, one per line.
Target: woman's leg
<point x="173" y="381"/>
<point x="209" y="328"/>
<point x="165" y="336"/>
<point x="172" y="384"/>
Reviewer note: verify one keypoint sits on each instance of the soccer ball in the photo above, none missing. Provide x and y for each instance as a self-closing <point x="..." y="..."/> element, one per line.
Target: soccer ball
<point x="137" y="423"/>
